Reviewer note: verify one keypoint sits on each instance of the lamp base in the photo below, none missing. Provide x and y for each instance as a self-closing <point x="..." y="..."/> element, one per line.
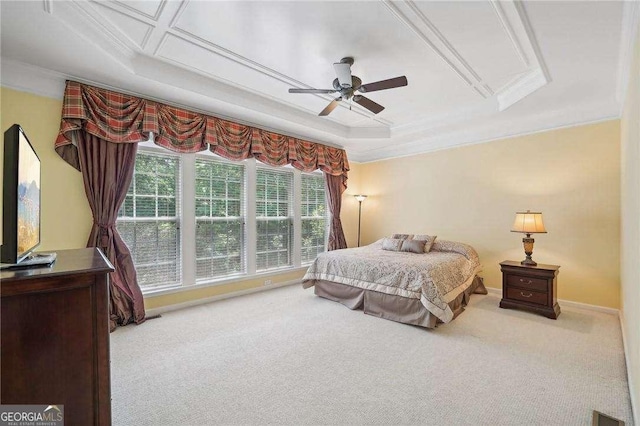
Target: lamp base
<point x="528" y="251"/>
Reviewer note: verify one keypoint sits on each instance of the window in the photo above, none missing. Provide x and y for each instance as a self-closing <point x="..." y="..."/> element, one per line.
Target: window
<point x="220" y="236"/>
<point x="199" y="219"/>
<point x="274" y="218"/>
<point x="314" y="217"/>
<point x="148" y="220"/>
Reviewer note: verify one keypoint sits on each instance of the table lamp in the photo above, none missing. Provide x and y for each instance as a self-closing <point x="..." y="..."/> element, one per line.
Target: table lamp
<point x="528" y="223"/>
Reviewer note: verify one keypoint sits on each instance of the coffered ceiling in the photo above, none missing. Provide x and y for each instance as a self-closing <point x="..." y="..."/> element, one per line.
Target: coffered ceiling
<point x="476" y="70"/>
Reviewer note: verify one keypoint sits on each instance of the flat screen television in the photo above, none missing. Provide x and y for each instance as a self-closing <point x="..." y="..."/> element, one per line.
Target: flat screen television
<point x="21" y="197"/>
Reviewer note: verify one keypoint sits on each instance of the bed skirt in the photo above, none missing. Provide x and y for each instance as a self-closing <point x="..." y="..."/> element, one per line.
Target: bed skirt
<point x="389" y="306"/>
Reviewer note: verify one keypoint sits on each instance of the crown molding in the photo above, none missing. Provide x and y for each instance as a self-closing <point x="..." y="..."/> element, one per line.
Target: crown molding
<point x="538" y="75"/>
<point x="479" y="83"/>
<point x="81" y="20"/>
<point x="395" y="10"/>
<point x="520" y="88"/>
<point x="508" y="28"/>
<point x="533" y="41"/>
<point x="630" y="27"/>
<point x="32" y="79"/>
<point x="485" y="132"/>
<point x="115" y="28"/>
<point x="153" y="17"/>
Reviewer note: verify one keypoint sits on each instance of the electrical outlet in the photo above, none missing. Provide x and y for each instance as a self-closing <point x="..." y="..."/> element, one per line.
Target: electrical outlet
<point x="267" y="282"/>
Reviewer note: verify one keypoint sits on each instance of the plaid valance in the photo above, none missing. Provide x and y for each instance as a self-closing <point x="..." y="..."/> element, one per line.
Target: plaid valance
<point x="121" y="118"/>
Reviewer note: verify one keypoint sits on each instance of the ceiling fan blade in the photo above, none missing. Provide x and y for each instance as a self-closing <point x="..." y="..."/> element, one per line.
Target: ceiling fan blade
<point x="330" y="107"/>
<point x="368" y="104"/>
<point x="384" y="84"/>
<point x="312" y="90"/>
<point x="343" y="71"/>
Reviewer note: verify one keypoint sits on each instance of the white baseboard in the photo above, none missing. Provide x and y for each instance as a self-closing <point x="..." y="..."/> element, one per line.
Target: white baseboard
<point x="634" y="404"/>
<point x="569" y="303"/>
<point x="196" y="302"/>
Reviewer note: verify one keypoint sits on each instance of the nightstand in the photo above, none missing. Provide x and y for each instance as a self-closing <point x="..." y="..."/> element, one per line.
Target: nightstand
<point x="532" y="288"/>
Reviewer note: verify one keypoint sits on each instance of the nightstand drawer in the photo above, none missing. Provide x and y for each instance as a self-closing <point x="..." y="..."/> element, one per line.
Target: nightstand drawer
<point x="527" y="282"/>
<point x="535" y="297"/>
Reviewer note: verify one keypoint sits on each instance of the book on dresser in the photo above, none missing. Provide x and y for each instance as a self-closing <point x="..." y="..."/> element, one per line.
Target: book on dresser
<point x="55" y="336"/>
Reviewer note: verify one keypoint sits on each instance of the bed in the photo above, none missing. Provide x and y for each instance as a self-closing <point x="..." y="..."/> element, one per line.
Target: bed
<point x="422" y="289"/>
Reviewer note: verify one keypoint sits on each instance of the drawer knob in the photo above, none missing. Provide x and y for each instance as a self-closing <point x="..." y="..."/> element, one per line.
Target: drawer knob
<point x="528" y="281"/>
<point x="526" y="295"/>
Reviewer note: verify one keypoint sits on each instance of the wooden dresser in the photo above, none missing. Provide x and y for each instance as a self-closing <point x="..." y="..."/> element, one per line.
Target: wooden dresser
<point x="532" y="288"/>
<point x="55" y="336"/>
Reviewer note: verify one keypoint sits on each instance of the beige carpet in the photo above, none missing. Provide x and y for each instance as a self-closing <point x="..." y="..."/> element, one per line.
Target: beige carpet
<point x="286" y="356"/>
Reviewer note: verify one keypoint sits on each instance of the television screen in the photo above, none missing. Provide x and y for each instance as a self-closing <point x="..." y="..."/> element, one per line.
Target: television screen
<point x="20" y="197"/>
<point x="28" y="197"/>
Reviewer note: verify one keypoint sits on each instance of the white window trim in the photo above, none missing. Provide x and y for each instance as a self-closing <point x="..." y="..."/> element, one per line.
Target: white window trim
<point x="187" y="224"/>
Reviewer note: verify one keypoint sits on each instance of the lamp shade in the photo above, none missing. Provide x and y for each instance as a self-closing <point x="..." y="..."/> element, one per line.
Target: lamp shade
<point x="529" y="223"/>
<point x="360" y="198"/>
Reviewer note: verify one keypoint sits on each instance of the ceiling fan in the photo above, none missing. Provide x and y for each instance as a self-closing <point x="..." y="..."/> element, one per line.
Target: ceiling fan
<point x="346" y="85"/>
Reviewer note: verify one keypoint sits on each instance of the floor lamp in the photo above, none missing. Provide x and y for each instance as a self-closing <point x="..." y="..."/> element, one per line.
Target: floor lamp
<point x="360" y="199"/>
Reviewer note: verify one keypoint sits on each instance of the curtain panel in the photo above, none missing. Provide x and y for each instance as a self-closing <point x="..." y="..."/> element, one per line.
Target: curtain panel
<point x="120" y="118"/>
<point x="334" y="188"/>
<point x="107" y="170"/>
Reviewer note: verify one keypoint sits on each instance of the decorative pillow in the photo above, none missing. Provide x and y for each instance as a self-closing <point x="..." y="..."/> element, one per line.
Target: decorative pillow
<point x="452" y="246"/>
<point x="413" y="246"/>
<point x="428" y="239"/>
<point x="402" y="236"/>
<point x="391" y="244"/>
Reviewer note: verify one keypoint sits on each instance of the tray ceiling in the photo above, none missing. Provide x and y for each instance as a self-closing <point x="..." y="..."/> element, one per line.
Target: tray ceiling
<point x="476" y="70"/>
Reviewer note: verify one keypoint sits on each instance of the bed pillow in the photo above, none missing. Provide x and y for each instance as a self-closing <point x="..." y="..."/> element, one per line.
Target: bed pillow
<point x="392" y="244"/>
<point x="453" y="246"/>
<point x="428" y="239"/>
<point x="413" y="246"/>
<point x="402" y="236"/>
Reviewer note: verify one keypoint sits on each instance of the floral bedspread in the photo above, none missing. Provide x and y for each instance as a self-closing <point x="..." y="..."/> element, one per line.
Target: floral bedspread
<point x="435" y="278"/>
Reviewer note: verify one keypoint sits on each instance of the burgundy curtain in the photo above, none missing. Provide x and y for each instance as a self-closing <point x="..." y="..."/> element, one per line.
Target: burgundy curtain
<point x="107" y="170"/>
<point x="335" y="187"/>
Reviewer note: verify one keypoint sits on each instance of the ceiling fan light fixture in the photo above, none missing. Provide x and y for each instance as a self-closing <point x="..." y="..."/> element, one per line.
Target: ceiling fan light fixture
<point x="347" y="84"/>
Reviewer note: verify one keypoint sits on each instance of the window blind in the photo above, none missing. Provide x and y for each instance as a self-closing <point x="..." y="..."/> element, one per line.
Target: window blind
<point x="220" y="219"/>
<point x="149" y="220"/>
<point x="313" y="216"/>
<point x="274" y="218"/>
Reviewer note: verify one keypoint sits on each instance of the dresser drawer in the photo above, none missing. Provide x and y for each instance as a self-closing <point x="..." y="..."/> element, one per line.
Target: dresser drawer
<point x="536" y="284"/>
<point x="534" y="297"/>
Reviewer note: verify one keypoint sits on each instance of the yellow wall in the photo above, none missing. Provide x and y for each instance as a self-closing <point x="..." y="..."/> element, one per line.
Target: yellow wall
<point x="630" y="227"/>
<point x="471" y="194"/>
<point x="66" y="218"/>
